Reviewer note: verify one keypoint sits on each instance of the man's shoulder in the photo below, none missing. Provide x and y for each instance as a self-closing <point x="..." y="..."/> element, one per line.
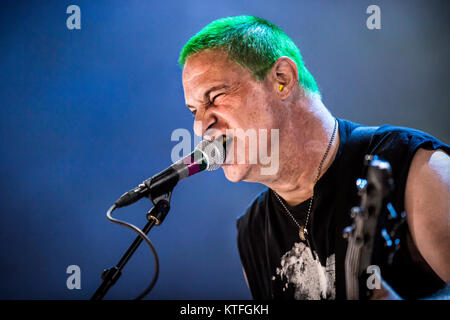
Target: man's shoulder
<point x="395" y="144"/>
<point x="403" y="132"/>
<point x="403" y="141"/>
<point x="388" y="138"/>
<point x="253" y="216"/>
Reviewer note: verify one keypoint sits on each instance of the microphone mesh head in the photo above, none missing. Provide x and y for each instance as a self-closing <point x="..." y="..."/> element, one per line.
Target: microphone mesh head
<point x="213" y="151"/>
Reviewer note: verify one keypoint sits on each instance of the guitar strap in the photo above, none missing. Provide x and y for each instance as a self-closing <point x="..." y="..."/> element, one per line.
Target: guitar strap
<point x="356" y="147"/>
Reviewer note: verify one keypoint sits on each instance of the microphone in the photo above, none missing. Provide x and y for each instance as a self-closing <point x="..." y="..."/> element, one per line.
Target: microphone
<point x="208" y="155"/>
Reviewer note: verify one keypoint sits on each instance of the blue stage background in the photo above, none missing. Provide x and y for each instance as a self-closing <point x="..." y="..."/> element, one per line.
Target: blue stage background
<point x="88" y="114"/>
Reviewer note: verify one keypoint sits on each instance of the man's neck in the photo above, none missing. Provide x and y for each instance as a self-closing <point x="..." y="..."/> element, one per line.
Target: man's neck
<point x="307" y="137"/>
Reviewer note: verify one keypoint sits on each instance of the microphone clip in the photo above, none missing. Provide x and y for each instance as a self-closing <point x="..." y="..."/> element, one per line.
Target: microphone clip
<point x="160" y="210"/>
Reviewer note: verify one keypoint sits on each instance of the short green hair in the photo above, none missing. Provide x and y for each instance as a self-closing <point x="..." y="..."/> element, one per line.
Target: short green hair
<point x="253" y="43"/>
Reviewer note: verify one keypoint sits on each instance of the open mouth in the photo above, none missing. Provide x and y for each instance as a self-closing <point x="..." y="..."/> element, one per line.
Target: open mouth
<point x="225" y="142"/>
<point x="215" y="151"/>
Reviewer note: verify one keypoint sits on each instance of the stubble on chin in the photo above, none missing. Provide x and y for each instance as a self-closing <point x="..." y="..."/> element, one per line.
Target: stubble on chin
<point x="236" y="172"/>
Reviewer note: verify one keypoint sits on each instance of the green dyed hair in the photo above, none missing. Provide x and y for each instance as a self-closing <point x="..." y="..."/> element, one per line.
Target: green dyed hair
<point x="253" y="43"/>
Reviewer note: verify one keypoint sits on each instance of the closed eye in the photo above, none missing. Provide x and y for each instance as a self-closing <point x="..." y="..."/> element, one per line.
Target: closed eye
<point x="215" y="97"/>
<point x="211" y="102"/>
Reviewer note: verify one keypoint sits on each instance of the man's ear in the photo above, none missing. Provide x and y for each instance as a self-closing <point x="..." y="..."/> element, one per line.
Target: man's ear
<point x="285" y="76"/>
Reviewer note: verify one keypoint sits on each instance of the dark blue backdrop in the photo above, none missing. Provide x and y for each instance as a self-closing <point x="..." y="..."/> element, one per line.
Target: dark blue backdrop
<point x="88" y="114"/>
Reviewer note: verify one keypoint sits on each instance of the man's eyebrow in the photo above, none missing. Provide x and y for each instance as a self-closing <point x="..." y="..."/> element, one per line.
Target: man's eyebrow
<point x="207" y="93"/>
<point x="215" y="88"/>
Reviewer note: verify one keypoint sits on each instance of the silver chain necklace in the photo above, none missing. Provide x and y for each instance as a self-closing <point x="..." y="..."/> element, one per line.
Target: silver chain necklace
<point x="302" y="230"/>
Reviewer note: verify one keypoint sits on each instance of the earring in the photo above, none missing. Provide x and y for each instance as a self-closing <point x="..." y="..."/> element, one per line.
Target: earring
<point x="281" y="87"/>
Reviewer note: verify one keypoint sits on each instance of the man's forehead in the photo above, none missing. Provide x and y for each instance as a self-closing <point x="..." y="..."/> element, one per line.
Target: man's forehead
<point x="210" y="66"/>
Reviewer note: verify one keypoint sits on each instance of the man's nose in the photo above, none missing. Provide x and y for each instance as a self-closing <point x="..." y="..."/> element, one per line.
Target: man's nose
<point x="203" y="121"/>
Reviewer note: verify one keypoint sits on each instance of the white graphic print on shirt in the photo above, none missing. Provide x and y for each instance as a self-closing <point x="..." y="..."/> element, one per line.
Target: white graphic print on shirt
<point x="311" y="280"/>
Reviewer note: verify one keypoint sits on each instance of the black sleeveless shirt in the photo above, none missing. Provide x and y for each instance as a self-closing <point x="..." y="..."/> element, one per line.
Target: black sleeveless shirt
<point x="278" y="265"/>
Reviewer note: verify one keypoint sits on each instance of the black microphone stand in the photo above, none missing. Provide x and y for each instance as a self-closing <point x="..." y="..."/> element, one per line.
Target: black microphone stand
<point x="155" y="216"/>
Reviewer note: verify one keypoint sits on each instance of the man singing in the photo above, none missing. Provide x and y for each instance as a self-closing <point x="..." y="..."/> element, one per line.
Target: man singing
<point x="244" y="73"/>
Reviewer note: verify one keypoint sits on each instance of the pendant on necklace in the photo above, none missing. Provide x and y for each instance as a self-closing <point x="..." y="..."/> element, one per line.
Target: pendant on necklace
<point x="301" y="233"/>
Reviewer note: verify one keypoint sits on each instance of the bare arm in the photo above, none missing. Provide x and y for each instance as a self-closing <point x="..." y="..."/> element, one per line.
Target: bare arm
<point x="427" y="206"/>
